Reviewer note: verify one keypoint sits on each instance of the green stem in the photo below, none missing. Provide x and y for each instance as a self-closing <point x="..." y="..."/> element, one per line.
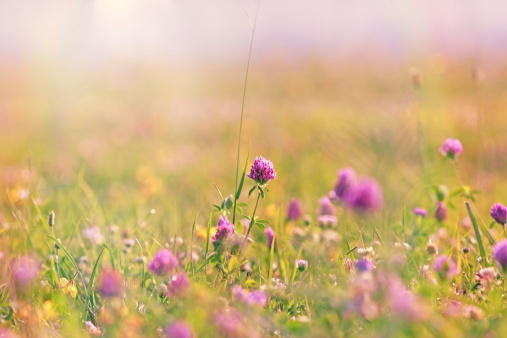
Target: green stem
<point x="252" y="220"/>
<point x="242" y="111"/>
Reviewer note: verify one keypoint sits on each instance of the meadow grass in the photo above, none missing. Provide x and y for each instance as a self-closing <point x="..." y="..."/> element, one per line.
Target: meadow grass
<point x="139" y="172"/>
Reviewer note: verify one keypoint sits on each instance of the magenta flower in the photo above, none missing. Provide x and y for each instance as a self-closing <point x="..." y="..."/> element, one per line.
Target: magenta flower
<point x="270" y="234"/>
<point x="26" y="271"/>
<point x="364" y="264"/>
<point x="301" y="264"/>
<point x="441" y="212"/>
<point x="111" y="283"/>
<point x="499" y="253"/>
<point x="294" y="211"/>
<point x="405" y="305"/>
<point x="261" y="171"/>
<point x="253" y="298"/>
<point x="93" y="234"/>
<point x="499" y="213"/>
<point x="445" y="267"/>
<point x="178" y="329"/>
<point x="163" y="263"/>
<point x="225" y="230"/>
<point x="326" y="207"/>
<point x="421" y="212"/>
<point x="346" y="183"/>
<point x="178" y="285"/>
<point x="366" y="197"/>
<point x="451" y="148"/>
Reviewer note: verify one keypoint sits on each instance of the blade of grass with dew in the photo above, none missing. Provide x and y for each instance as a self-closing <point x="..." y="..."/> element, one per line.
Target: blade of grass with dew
<point x="90" y="305"/>
<point x="477" y="232"/>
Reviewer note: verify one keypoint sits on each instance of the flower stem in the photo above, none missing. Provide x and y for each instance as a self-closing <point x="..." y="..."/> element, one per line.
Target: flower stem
<point x="252" y="220"/>
<point x="242" y="110"/>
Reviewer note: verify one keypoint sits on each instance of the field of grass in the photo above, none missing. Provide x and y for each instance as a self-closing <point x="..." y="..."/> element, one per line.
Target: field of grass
<point x="135" y="161"/>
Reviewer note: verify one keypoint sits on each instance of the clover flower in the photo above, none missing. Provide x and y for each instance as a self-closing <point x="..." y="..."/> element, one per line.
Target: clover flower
<point x="346" y="183"/>
<point x="499" y="253"/>
<point x="441" y="212"/>
<point x="445" y="267"/>
<point x="178" y="284"/>
<point x="270" y="234"/>
<point x="294" y="211"/>
<point x="26" y="270"/>
<point x="301" y="264"/>
<point x="225" y="230"/>
<point x="420" y="212"/>
<point x="261" y="171"/>
<point x="178" y="329"/>
<point x="499" y="213"/>
<point x="111" y="283"/>
<point x="163" y="263"/>
<point x="366" y="196"/>
<point x="451" y="148"/>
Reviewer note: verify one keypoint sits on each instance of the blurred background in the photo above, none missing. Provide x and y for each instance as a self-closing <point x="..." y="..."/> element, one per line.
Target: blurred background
<point x="143" y="98"/>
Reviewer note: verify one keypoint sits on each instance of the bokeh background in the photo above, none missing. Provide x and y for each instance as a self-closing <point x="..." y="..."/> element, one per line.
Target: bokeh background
<point x="143" y="98"/>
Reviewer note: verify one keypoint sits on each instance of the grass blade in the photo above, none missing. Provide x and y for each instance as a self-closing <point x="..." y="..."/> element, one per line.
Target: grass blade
<point x="90" y="305"/>
<point x="477" y="232"/>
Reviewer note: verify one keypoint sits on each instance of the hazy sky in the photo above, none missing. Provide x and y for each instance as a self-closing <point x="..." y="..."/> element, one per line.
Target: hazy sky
<point x="94" y="31"/>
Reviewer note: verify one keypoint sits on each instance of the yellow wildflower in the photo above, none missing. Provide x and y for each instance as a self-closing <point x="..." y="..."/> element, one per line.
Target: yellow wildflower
<point x="68" y="287"/>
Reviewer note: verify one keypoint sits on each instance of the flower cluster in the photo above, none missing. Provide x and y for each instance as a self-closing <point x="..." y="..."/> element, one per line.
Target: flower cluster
<point x="225" y="230"/>
<point x="261" y="171"/>
<point x="451" y="148"/>
<point x="164" y="262"/>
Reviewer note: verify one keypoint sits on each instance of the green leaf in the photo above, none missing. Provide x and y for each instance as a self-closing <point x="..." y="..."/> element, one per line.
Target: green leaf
<point x="262" y="221"/>
<point x="238" y="228"/>
<point x="261" y="192"/>
<point x="251" y="191"/>
<point x="233" y="264"/>
<point x="217" y="207"/>
<point x="242" y="204"/>
<point x="260" y="225"/>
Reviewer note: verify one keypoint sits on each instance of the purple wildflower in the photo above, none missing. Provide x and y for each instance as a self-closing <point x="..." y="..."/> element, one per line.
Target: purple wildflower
<point x="301" y="264"/>
<point x="404" y="304"/>
<point x="294" y="211"/>
<point x="231" y="324"/>
<point x="258" y="297"/>
<point x="326" y="207"/>
<point x="163" y="263"/>
<point x="441" y="212"/>
<point x="367" y="196"/>
<point x="345" y="184"/>
<point x="26" y="271"/>
<point x="178" y="329"/>
<point x="499" y="213"/>
<point x="364" y="264"/>
<point x="178" y="284"/>
<point x="225" y="229"/>
<point x="255" y="297"/>
<point x="451" y="148"/>
<point x="270" y="234"/>
<point x="445" y="267"/>
<point x="499" y="253"/>
<point x="261" y="171"/>
<point x="418" y="211"/>
<point x="110" y="284"/>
